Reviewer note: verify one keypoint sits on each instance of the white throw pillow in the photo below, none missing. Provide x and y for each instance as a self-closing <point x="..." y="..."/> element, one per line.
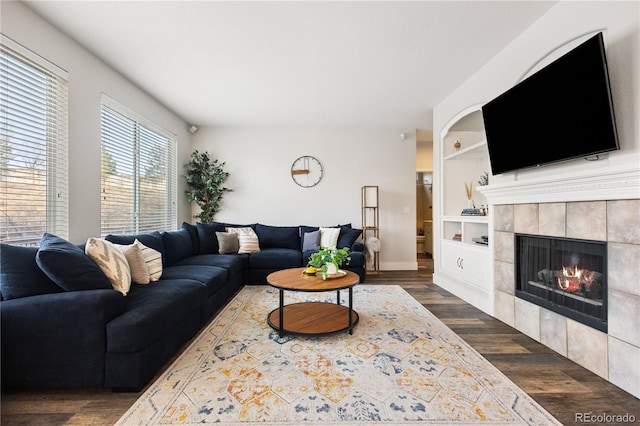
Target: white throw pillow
<point x="248" y="239"/>
<point x="329" y="237"/>
<point x="112" y="262"/>
<point x="153" y="259"/>
<point x="137" y="264"/>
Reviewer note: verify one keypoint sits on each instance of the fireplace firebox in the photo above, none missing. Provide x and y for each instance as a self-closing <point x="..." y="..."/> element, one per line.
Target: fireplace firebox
<point x="567" y="276"/>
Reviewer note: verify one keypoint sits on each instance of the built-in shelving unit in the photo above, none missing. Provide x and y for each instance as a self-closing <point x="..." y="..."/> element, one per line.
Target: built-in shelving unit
<point x="463" y="259"/>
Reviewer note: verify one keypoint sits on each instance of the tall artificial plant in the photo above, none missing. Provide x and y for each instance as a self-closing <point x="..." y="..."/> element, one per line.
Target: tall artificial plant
<point x="205" y="178"/>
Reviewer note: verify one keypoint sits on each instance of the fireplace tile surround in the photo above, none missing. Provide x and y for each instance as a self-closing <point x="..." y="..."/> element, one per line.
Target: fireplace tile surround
<point x="615" y="356"/>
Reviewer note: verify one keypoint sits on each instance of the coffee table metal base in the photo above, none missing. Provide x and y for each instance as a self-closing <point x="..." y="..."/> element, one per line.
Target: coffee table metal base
<point x="313" y="319"/>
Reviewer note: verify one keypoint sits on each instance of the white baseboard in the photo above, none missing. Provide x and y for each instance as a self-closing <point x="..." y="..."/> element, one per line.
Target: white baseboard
<point x="398" y="266"/>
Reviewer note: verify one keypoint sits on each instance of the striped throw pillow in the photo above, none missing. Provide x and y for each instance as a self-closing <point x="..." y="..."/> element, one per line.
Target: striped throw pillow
<point x="248" y="239"/>
<point x="153" y="259"/>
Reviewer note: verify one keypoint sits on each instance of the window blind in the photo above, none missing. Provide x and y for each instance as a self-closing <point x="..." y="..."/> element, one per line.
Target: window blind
<point x="138" y="174"/>
<point x="33" y="147"/>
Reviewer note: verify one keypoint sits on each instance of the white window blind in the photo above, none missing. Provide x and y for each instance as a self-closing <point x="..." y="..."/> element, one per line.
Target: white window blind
<point x="138" y="173"/>
<point x="33" y="147"/>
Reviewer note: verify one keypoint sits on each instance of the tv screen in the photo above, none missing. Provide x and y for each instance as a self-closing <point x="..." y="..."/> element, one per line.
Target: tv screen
<point x="561" y="112"/>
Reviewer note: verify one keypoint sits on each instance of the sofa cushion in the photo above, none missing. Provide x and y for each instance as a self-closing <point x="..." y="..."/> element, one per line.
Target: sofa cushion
<point x="112" y="262"/>
<point x="151" y="311"/>
<point x="233" y="263"/>
<point x="193" y="233"/>
<point x="278" y="236"/>
<point x="247" y="239"/>
<point x="212" y="277"/>
<point x="150" y="239"/>
<point x="276" y="258"/>
<point x="67" y="265"/>
<point x="20" y="275"/>
<point x="207" y="240"/>
<point x="177" y="246"/>
<point x="228" y="242"/>
<point x="348" y="236"/>
<point x="311" y="241"/>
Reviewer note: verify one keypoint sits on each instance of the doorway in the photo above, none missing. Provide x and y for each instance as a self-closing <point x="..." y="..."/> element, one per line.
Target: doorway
<point x="424" y="196"/>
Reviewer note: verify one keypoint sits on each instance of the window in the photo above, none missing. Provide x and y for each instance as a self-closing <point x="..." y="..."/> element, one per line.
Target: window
<point x="33" y="147"/>
<point x="138" y="173"/>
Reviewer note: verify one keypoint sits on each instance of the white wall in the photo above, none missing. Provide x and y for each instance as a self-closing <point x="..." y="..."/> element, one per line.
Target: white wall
<point x="259" y="162"/>
<point x="88" y="79"/>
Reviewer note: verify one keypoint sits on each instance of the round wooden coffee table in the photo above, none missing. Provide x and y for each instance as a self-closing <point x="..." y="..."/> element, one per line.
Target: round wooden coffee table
<point x="312" y="318"/>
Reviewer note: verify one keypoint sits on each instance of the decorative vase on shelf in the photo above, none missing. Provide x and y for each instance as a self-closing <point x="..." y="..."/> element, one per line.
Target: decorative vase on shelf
<point x="457" y="145"/>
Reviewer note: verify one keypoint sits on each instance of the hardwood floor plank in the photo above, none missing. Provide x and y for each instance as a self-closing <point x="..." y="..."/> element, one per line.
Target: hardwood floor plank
<point x="562" y="387"/>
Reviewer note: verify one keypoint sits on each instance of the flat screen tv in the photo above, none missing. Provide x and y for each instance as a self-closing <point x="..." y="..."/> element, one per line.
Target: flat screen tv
<point x="561" y="112"/>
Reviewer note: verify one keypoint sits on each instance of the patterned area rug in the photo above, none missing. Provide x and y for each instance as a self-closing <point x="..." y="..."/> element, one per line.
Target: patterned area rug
<point x="401" y="366"/>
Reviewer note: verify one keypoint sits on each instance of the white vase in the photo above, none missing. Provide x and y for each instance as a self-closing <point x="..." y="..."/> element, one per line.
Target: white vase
<point x="331" y="269"/>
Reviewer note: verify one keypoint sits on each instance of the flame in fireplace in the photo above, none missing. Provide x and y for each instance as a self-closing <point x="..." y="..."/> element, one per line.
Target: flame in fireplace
<point x="575" y="279"/>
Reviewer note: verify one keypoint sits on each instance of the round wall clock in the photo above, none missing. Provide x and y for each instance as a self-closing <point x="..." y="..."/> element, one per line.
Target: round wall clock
<point x="306" y="171"/>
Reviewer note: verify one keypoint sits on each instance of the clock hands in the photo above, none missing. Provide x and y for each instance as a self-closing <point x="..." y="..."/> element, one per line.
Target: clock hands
<point x="308" y="166"/>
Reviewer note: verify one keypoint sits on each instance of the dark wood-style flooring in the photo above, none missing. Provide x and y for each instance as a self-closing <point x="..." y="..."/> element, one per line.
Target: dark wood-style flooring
<point x="562" y="387"/>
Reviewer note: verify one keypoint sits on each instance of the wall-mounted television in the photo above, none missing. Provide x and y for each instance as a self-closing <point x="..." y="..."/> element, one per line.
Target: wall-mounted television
<point x="561" y="112"/>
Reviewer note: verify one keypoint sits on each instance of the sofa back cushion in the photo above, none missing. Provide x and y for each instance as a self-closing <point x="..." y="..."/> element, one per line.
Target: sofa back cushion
<point x="278" y="236"/>
<point x="20" y="275"/>
<point x="177" y="246"/>
<point x="149" y="239"/>
<point x="193" y="233"/>
<point x="67" y="265"/>
<point x="207" y="240"/>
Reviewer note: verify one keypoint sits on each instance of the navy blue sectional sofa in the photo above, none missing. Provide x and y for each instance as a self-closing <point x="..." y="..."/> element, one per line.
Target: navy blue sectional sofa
<point x="63" y="325"/>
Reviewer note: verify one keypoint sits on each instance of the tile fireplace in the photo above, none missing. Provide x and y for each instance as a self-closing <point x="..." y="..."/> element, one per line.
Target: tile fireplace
<point x="567" y="276"/>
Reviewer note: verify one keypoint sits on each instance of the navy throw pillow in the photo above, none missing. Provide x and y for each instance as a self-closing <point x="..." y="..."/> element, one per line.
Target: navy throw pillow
<point x="207" y="240"/>
<point x="20" y="275"/>
<point x="177" y="246"/>
<point x="66" y="265"/>
<point x="348" y="236"/>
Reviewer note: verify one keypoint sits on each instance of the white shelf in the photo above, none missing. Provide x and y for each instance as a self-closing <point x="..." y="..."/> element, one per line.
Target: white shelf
<point x="469" y="219"/>
<point x="477" y="150"/>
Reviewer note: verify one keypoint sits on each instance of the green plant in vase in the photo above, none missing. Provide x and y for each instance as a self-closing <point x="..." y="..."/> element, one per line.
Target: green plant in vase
<point x="329" y="260"/>
<point x="205" y="178"/>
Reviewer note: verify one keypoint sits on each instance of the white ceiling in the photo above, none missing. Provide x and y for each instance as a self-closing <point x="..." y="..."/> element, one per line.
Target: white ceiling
<point x="296" y="64"/>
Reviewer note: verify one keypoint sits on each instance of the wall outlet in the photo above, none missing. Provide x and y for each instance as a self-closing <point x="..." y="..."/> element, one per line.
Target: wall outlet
<point x="406" y="210"/>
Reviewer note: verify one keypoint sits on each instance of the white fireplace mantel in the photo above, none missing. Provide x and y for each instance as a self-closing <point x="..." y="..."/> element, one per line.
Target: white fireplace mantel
<point x="618" y="184"/>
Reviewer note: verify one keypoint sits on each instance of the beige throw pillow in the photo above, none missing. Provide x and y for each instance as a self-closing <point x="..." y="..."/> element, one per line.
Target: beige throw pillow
<point x="247" y="239"/>
<point x="329" y="237"/>
<point x="112" y="262"/>
<point x="153" y="258"/>
<point x="137" y="264"/>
